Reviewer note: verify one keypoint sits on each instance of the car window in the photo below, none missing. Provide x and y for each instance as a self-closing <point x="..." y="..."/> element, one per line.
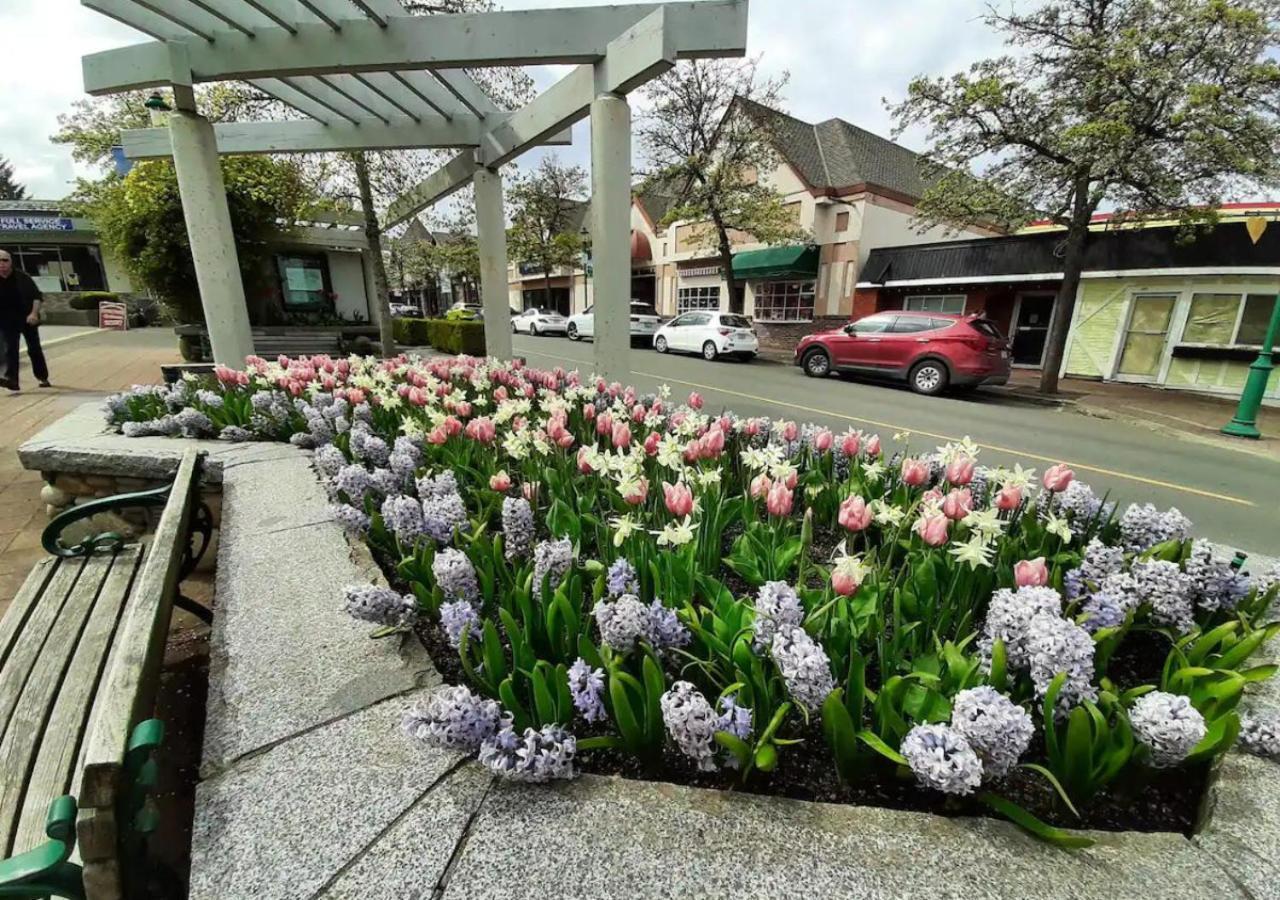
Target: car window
<point x="587" y="311"/>
<point x="679" y="321"/>
<point x="872" y="325"/>
<point x="987" y="328"/>
<point x="911" y="325"/>
<point x="732" y="321"/>
<point x="640" y="309"/>
<point x="698" y="319"/>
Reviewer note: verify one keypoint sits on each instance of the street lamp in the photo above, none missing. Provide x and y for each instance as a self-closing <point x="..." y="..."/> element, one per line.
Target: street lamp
<point x="156" y="106"/>
<point x="1245" y="422"/>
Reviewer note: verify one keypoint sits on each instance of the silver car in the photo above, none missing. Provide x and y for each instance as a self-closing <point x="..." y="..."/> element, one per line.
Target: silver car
<point x="538" y="320"/>
<point x="644" y="322"/>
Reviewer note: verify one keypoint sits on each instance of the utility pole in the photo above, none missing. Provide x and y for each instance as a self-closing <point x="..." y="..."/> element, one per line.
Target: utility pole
<point x="1245" y="423"/>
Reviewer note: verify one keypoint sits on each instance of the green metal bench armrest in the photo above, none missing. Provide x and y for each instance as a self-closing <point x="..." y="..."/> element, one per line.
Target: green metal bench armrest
<point x="110" y="540"/>
<point x="44" y="871"/>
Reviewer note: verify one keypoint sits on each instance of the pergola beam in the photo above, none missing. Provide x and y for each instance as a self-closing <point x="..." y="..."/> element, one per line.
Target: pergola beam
<point x="308" y="136"/>
<point x="532" y="37"/>
<point x="643" y="51"/>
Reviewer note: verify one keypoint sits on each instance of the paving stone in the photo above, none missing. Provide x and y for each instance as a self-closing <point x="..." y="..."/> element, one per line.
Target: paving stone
<point x="606" y="837"/>
<point x="285" y="823"/>
<point x="1243" y="828"/>
<point x="273" y="496"/>
<point x="284" y="655"/>
<point x="409" y="860"/>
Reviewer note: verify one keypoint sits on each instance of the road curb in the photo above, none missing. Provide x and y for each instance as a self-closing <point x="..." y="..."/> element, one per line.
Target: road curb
<point x="61" y="340"/>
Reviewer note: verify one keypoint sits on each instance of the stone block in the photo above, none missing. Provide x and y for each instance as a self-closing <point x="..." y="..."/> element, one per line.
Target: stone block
<point x="608" y="837"/>
<point x="291" y="820"/>
<point x="273" y="496"/>
<point x="1243" y="827"/>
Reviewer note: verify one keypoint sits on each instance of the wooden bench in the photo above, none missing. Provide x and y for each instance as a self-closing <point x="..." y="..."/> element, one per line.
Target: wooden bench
<point x="80" y="652"/>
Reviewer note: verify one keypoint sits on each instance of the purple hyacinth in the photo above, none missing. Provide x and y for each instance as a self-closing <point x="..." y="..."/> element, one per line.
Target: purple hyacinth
<point x="736" y="720"/>
<point x="621" y="579"/>
<point x="1168" y="725"/>
<point x="355" y="482"/>
<point x="1143" y="526"/>
<point x="691" y="723"/>
<point x="665" y="628"/>
<point x="368" y="447"/>
<point x="551" y="560"/>
<point x="997" y="729"/>
<point x="353" y="520"/>
<point x="1260" y="734"/>
<point x="1167" y="590"/>
<point x="1099" y="562"/>
<point x="586" y="686"/>
<point x="517" y="527"/>
<point x="232" y="433"/>
<point x="1009" y="617"/>
<point x="455" y="576"/>
<point x="403" y="517"/>
<point x="777" y="608"/>
<point x="380" y="605"/>
<point x="328" y="460"/>
<point x="1215" y="584"/>
<point x="1055" y="646"/>
<point x="442" y="514"/>
<point x="193" y="424"/>
<point x="539" y="756"/>
<point x="805" y="667"/>
<point x="457" y="618"/>
<point x="622" y="622"/>
<point x="455" y="718"/>
<point x="942" y="759"/>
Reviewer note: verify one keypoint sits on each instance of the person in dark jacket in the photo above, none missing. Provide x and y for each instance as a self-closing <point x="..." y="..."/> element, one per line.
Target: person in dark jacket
<point x="20" y="317"/>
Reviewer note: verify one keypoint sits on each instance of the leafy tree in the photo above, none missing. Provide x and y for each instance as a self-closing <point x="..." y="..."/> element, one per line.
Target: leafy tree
<point x="708" y="155"/>
<point x="1153" y="108"/>
<point x="139" y="219"/>
<point x="10" y="189"/>
<point x="546" y="206"/>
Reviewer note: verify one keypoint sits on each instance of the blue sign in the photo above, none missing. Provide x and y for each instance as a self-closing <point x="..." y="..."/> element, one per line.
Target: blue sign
<point x="122" y="163"/>
<point x="35" y="223"/>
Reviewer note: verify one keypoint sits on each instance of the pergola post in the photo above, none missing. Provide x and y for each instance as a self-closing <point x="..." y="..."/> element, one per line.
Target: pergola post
<point x="213" y="245"/>
<point x="611" y="234"/>
<point x="491" y="231"/>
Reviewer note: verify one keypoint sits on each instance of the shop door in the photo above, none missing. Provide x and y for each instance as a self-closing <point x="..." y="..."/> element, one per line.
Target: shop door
<point x="1145" y="337"/>
<point x="1031" y="329"/>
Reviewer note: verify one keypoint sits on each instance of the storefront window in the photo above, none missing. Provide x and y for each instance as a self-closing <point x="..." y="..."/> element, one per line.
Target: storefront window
<point x="784" y="301"/>
<point x="304" y="281"/>
<point x="60" y="267"/>
<point x="697" y="298"/>
<point x="1222" y="320"/>
<point x="943" y="303"/>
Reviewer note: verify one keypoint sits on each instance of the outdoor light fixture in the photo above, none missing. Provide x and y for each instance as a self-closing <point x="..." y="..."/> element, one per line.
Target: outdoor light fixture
<point x="156" y="103"/>
<point x="1245" y="422"/>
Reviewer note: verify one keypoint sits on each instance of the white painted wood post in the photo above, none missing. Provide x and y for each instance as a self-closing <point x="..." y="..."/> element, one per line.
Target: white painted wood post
<point x="213" y="245"/>
<point x="491" y="229"/>
<point x="611" y="235"/>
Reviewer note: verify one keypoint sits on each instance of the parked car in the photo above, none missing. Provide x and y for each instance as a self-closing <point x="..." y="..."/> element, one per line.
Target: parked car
<point x="710" y="333"/>
<point x="644" y="322"/>
<point x="930" y="351"/>
<point x="538" y="320"/>
<point x="405" y="311"/>
<point x="464" y="311"/>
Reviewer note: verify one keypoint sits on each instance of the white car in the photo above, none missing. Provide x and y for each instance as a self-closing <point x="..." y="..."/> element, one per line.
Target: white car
<point x="644" y="322"/>
<point x="538" y="320"/>
<point x="710" y="333"/>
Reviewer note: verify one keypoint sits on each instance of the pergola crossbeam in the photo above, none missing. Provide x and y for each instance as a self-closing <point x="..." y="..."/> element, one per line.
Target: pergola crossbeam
<point x="532" y="37"/>
<point x="345" y="93"/>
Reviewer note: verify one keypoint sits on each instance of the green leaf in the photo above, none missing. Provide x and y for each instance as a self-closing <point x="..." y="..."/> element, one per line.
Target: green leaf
<point x="766" y="757"/>
<point x="735" y="745"/>
<point x="841" y="736"/>
<point x="624" y="716"/>
<point x="1057" y="785"/>
<point x="519" y="715"/>
<point x="603" y="742"/>
<point x="999" y="678"/>
<point x="543" y="703"/>
<point x="872" y="740"/>
<point x="1033" y="826"/>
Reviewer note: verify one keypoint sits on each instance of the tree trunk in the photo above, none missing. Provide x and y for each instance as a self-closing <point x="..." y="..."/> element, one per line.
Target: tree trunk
<point x="546" y="285"/>
<point x="379" y="306"/>
<point x="736" y="304"/>
<point x="1065" y="304"/>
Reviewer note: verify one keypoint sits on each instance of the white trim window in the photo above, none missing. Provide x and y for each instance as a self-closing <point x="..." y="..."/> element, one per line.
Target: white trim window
<point x="690" y="298"/>
<point x="1227" y="319"/>
<point x="943" y="303"/>
<point x="784" y="301"/>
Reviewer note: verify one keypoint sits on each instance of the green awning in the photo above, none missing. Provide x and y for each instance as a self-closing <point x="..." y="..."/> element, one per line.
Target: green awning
<point x="772" y="263"/>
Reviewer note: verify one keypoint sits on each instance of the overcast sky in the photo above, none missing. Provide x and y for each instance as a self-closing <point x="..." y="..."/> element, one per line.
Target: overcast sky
<point x="844" y="56"/>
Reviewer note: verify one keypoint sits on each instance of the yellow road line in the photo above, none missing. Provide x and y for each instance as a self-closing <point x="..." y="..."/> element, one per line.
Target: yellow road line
<point x="1226" y="498"/>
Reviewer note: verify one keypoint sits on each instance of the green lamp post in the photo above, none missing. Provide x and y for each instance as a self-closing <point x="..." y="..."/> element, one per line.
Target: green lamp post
<point x="1245" y="423"/>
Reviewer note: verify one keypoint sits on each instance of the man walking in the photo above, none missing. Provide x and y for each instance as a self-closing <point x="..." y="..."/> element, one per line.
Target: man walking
<point x="20" y="316"/>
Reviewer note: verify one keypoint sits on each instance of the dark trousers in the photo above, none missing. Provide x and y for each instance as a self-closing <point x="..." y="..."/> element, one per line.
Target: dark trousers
<point x="11" y="331"/>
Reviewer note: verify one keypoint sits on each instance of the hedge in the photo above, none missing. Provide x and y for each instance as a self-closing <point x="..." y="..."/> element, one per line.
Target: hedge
<point x="89" y="300"/>
<point x="443" y="335"/>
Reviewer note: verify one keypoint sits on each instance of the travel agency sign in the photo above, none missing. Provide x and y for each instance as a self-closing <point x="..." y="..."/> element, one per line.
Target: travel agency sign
<point x="35" y="223"/>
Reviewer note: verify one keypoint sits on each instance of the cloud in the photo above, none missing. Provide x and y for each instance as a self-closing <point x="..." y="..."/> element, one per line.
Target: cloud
<point x="843" y="56"/>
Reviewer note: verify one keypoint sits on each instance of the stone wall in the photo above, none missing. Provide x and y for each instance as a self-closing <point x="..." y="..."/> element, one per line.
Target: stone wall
<point x="63" y="490"/>
<point x="778" y="338"/>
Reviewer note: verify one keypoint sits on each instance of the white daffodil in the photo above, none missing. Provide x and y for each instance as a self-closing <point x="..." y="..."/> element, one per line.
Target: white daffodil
<point x="516" y="445"/>
<point x="412" y="428"/>
<point x="886" y="513"/>
<point x="753" y="458"/>
<point x="852" y="566"/>
<point x="976" y="551"/>
<point x="390" y="400"/>
<point x="873" y="470"/>
<point x="670" y="453"/>
<point x="901" y="437"/>
<point x="676" y="534"/>
<point x="708" y="478"/>
<point x="964" y="447"/>
<point x="1059" y="527"/>
<point x="985" y="521"/>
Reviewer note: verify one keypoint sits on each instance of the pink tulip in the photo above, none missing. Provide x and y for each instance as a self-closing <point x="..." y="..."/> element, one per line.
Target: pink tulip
<point x="418" y="397"/>
<point x="1056" y="478"/>
<point x="873" y="445"/>
<point x="481" y="430"/>
<point x="500" y="394"/>
<point x="588" y="411"/>
<point x="932" y="497"/>
<point x="639" y="493"/>
<point x="844" y="583"/>
<point x="584" y="465"/>
<point x="678" y="498"/>
<point x="712" y="443"/>
<point x="621" y="435"/>
<point x="760" y="486"/>
<point x="854" y="514"/>
<point x="822" y="440"/>
<point x="638" y="413"/>
<point x="779" y="499"/>
<point x="501" y="482"/>
<point x="1031" y="573"/>
<point x="355" y="396"/>
<point x="914" y="472"/>
<point x="651" y="443"/>
<point x="604" y="424"/>
<point x="463" y="409"/>
<point x="453" y="425"/>
<point x="629" y="396"/>
<point x="850" y="443"/>
<point x="933" y="530"/>
<point x="753" y="427"/>
<point x="960" y="471"/>
<point x="790" y="431"/>
<point x="530" y="491"/>
<point x="695" y="400"/>
<point x="438" y="435"/>
<point x="565" y="441"/>
<point x="1008" y="498"/>
<point x="725" y="423"/>
<point x="791" y="480"/>
<point x="957" y="504"/>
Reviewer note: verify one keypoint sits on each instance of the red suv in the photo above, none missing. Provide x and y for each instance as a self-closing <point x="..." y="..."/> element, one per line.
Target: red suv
<point x="930" y="351"/>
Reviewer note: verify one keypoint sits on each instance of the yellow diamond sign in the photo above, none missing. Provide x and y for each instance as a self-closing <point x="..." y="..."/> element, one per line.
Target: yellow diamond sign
<point x="1255" y="227"/>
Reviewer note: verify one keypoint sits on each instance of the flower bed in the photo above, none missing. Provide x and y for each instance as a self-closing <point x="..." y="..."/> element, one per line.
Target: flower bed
<point x="625" y="583"/>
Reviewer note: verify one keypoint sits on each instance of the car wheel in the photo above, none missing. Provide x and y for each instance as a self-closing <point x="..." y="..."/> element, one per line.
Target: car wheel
<point x="660" y="344"/>
<point x="533" y="329"/>
<point x="817" y="364"/>
<point x="709" y="351"/>
<point x="929" y="377"/>
<point x="573" y="332"/>
<point x="515" y="329"/>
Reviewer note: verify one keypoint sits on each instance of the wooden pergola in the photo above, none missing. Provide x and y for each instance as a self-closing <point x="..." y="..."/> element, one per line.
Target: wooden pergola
<point x="367" y="75"/>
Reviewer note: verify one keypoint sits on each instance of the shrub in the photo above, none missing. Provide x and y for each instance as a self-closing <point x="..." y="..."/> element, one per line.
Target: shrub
<point x="89" y="300"/>
<point x="412" y="332"/>
<point x="466" y="337"/>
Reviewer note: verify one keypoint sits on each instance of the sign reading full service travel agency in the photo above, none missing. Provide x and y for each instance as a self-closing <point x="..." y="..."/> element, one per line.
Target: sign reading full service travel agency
<point x="35" y="223"/>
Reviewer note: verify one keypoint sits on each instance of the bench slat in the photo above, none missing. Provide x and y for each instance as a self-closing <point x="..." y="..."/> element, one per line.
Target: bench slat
<point x="17" y="667"/>
<point x="20" y="608"/>
<point x="128" y="688"/>
<point x="35" y="704"/>
<point x="56" y="771"/>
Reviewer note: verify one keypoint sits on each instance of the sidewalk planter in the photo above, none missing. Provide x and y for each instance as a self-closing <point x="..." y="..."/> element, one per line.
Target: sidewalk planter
<point x="445" y="335"/>
<point x="630" y="584"/>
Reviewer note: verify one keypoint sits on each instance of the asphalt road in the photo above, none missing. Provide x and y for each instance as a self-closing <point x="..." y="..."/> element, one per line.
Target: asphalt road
<point x="1232" y="497"/>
